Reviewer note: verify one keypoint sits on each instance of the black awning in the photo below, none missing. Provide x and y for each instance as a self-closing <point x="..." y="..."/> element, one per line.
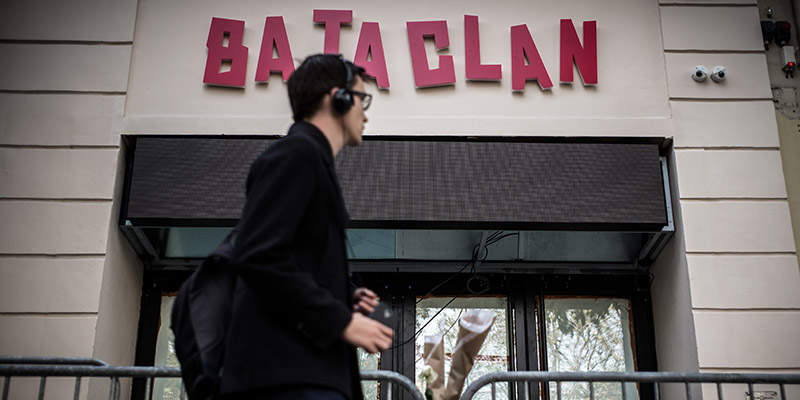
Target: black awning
<point x="416" y="183"/>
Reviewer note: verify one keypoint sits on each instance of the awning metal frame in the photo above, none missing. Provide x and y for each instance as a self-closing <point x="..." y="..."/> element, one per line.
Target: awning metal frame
<point x="652" y="247"/>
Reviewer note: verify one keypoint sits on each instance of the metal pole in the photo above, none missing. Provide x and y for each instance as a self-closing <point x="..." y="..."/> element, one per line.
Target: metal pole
<point x="42" y="382"/>
<point x="148" y="388"/>
<point x="77" y="394"/>
<point x="6" y="384"/>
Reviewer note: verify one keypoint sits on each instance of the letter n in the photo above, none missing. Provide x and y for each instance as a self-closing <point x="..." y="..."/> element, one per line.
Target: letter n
<point x="585" y="56"/>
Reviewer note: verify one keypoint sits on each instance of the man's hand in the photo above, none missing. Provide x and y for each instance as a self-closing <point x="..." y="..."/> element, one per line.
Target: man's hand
<point x="368" y="334"/>
<point x="364" y="301"/>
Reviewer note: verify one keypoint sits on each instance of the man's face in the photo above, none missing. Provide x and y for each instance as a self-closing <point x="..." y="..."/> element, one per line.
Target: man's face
<point x="355" y="119"/>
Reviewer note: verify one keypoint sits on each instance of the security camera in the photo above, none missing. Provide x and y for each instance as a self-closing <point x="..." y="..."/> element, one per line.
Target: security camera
<point x="700" y="73"/>
<point x="718" y="73"/>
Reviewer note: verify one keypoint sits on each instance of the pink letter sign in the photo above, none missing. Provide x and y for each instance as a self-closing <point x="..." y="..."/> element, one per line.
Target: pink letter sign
<point x="274" y="36"/>
<point x="585" y="56"/>
<point x="472" y="43"/>
<point x="333" y="20"/>
<point x="522" y="47"/>
<point x="234" y="52"/>
<point x="370" y="44"/>
<point x="423" y="75"/>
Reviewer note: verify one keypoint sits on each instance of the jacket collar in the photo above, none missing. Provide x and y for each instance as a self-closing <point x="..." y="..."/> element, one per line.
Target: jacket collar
<point x="316" y="134"/>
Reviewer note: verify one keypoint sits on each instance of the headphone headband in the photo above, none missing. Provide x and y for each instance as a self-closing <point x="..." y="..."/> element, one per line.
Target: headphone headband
<point x="343" y="99"/>
<point x="347" y="71"/>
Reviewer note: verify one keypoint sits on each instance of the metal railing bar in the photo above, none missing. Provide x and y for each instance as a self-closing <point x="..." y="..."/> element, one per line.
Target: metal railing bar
<point x="750" y="389"/>
<point x="591" y="390"/>
<point x="6" y="385"/>
<point x="148" y="372"/>
<point x="115" y="388"/>
<point x="685" y="378"/>
<point x="111" y="390"/>
<point x="77" y="392"/>
<point x="649" y="377"/>
<point x="558" y="390"/>
<point x="395" y="379"/>
<point x="42" y="382"/>
<point x="657" y="390"/>
<point x="624" y="389"/>
<point x="148" y="387"/>
<point x="52" y="360"/>
<point x="783" y="392"/>
<point x="494" y="391"/>
<point x="719" y="391"/>
<point x="82" y="370"/>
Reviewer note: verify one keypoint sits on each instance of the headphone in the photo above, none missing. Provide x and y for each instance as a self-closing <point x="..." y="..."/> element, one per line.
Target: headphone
<point x="343" y="99"/>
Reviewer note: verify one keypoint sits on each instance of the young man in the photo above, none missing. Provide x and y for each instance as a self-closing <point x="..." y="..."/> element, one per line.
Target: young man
<point x="296" y="319"/>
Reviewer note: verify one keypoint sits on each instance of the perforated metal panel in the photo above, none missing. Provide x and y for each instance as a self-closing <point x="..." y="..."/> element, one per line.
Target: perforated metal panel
<point x="502" y="184"/>
<point x="190" y="181"/>
<point x="414" y="183"/>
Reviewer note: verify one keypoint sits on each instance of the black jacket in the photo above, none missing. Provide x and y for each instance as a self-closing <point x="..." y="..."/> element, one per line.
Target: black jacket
<point x="293" y="297"/>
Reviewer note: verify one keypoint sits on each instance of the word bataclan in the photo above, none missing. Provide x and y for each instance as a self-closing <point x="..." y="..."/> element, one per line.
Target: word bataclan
<point x="526" y="64"/>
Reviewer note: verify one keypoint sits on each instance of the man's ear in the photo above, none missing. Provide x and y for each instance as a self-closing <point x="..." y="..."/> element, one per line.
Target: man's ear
<point x="333" y="91"/>
<point x="327" y="100"/>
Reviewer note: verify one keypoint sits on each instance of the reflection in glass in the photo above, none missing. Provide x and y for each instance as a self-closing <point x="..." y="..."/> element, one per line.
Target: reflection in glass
<point x="369" y="362"/>
<point x="589" y="335"/>
<point x="166" y="389"/>
<point x="493" y="355"/>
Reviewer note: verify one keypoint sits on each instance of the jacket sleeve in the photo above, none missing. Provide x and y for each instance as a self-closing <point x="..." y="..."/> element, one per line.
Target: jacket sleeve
<point x="280" y="187"/>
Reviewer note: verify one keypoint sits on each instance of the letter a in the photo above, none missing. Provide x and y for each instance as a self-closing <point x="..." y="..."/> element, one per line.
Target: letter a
<point x="522" y="46"/>
<point x="274" y="36"/>
<point x="369" y="42"/>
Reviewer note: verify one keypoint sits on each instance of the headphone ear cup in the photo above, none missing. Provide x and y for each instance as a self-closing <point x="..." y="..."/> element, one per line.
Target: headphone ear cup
<point x="342" y="101"/>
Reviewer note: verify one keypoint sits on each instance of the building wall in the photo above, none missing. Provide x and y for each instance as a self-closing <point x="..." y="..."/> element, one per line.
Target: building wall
<point x="63" y="84"/>
<point x="740" y="251"/>
<point x="630" y="99"/>
<point x="80" y="74"/>
<point x="787" y="109"/>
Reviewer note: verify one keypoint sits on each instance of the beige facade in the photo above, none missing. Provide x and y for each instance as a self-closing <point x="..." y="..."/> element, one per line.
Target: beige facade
<point x="77" y="75"/>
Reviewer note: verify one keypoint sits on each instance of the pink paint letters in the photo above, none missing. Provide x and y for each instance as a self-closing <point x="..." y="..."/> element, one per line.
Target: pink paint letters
<point x="226" y="64"/>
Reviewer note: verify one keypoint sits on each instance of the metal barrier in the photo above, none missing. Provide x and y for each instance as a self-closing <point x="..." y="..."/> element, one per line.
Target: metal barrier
<point x="52" y="360"/>
<point x="9" y="371"/>
<point x="78" y="368"/>
<point x="654" y="378"/>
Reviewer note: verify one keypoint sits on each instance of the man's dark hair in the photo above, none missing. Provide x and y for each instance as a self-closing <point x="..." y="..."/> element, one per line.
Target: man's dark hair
<point x="314" y="78"/>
